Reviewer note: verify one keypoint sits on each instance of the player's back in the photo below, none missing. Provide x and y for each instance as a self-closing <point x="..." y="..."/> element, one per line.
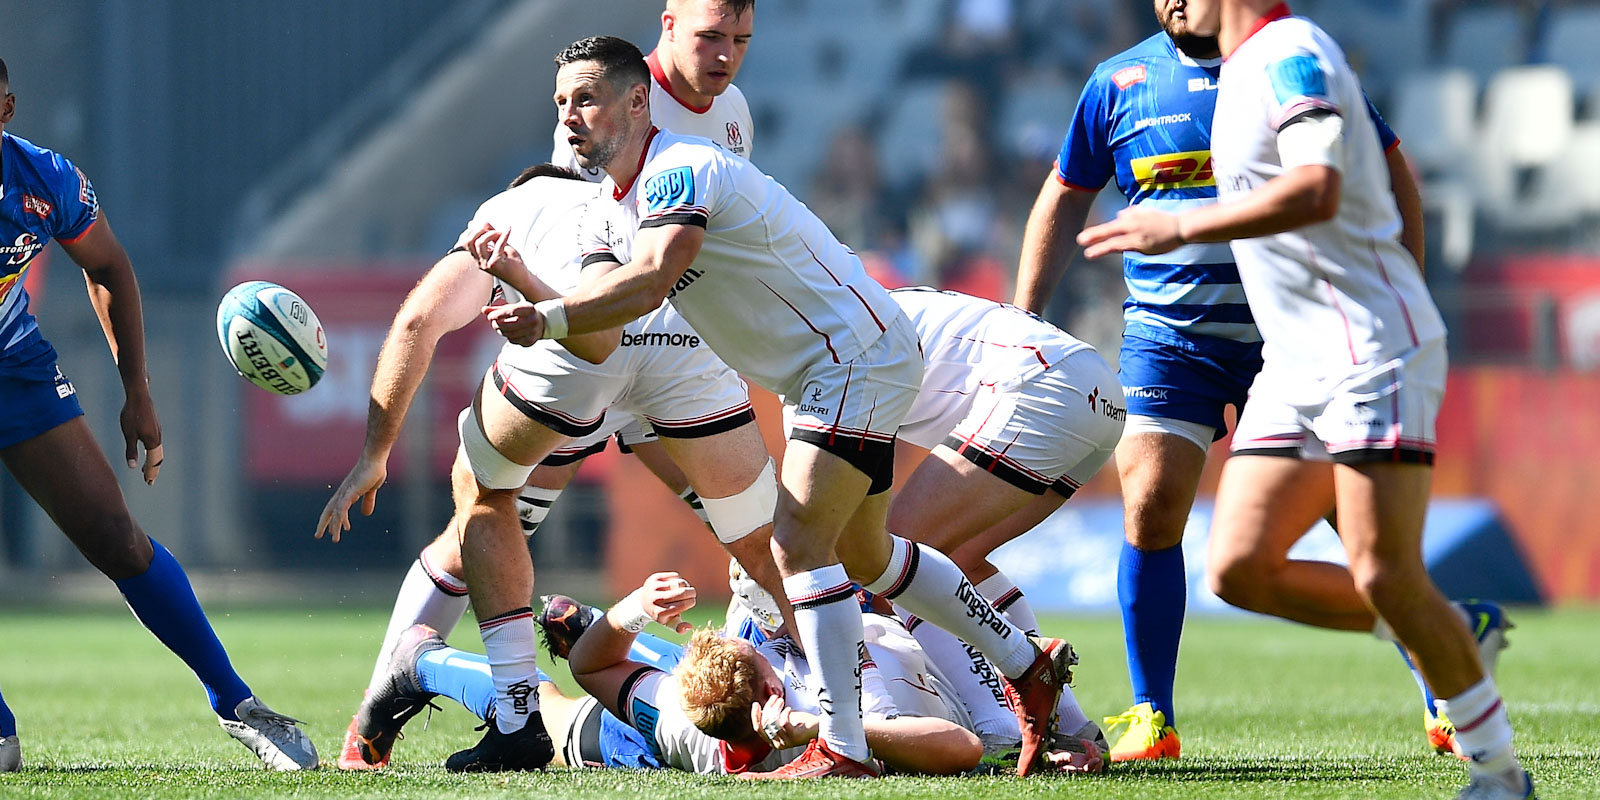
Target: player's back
<point x="542" y="217"/>
<point x="45" y="198"/>
<point x="1349" y="275"/>
<point x="772" y="290"/>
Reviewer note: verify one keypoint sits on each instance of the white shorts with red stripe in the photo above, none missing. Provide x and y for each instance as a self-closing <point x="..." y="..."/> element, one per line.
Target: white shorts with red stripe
<point x="853" y="410"/>
<point x="662" y="373"/>
<point x="1054" y="431"/>
<point x="1381" y="412"/>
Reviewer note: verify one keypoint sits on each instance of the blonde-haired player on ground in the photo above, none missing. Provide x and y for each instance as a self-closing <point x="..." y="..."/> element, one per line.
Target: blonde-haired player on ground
<point x="1354" y="365"/>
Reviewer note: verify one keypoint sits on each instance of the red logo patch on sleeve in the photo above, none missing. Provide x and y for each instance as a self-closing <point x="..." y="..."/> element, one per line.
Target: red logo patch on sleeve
<point x="1128" y="76"/>
<point x="36" y="206"/>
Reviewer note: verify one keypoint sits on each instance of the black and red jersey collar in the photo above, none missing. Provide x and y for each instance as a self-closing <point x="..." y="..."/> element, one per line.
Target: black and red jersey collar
<point x="619" y="191"/>
<point x="666" y="85"/>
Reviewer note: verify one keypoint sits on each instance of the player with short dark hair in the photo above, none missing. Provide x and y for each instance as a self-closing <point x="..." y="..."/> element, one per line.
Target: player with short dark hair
<point x="50" y="450"/>
<point x="1353" y="372"/>
<point x="776" y="295"/>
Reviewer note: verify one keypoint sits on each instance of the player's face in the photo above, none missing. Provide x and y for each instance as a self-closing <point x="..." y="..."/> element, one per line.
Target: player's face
<point x="8" y="106"/>
<point x="708" y="42"/>
<point x="1188" y="20"/>
<point x="595" y="112"/>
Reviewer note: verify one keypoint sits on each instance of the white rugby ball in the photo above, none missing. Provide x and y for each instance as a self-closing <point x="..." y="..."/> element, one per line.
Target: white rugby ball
<point x="272" y="337"/>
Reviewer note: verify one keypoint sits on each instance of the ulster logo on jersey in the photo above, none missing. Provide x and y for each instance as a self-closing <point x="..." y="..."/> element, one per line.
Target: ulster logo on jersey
<point x="1187" y="170"/>
<point x="735" y="138"/>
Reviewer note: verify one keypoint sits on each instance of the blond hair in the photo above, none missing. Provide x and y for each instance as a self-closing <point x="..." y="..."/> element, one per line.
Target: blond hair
<point x="718" y="678"/>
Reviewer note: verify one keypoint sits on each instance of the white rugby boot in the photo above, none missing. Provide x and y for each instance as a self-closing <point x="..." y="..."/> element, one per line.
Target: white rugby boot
<point x="273" y="737"/>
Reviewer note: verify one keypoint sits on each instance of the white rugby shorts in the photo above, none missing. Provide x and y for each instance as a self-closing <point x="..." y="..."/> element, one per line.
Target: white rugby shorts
<point x="1382" y="412"/>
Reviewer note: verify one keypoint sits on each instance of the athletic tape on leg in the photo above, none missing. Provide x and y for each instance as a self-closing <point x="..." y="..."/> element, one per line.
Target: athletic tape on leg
<point x="492" y="469"/>
<point x="733" y="518"/>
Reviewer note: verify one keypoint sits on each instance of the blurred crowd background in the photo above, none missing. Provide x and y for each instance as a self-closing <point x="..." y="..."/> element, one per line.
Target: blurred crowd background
<point x="339" y="147"/>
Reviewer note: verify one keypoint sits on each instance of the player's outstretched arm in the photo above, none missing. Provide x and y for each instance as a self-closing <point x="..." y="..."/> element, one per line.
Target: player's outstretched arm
<point x="661" y="254"/>
<point x="599" y="659"/>
<point x="446" y="299"/>
<point x="114" y="293"/>
<point x="1300" y="196"/>
<point x="1058" y="215"/>
<point x="921" y="745"/>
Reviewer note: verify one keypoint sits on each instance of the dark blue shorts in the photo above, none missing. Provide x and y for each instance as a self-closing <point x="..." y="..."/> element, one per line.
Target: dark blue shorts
<point x="1172" y="382"/>
<point x="35" y="395"/>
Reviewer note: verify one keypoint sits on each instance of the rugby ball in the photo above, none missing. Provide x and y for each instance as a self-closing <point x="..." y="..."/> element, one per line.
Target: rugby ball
<point x="272" y="337"/>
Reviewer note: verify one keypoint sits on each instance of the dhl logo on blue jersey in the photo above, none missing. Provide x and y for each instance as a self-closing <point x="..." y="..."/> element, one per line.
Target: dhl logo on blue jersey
<point x="1186" y="170"/>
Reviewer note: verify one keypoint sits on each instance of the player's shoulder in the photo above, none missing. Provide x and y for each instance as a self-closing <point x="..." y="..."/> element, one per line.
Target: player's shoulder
<point x="1287" y="36"/>
<point x="48" y="164"/>
<point x="736" y="101"/>
<point x="1131" y="66"/>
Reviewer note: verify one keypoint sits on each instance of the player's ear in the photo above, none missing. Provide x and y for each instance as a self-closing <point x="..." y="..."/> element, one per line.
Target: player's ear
<point x="669" y="23"/>
<point x="8" y="108"/>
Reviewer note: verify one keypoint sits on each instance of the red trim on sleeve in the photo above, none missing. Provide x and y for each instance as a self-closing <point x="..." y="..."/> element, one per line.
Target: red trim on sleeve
<point x="661" y="80"/>
<point x="1055" y="170"/>
<point x="79" y="237"/>
<point x="1391" y="148"/>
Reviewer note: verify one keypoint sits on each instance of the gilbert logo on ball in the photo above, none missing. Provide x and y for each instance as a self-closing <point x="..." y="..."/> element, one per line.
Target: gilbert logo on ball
<point x="272" y="337"/>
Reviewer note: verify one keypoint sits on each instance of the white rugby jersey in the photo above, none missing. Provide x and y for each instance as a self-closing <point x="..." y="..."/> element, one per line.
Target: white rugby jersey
<point x="1331" y="295"/>
<point x="969" y="343"/>
<point x="541" y="217"/>
<point x="772" y="290"/>
<point x="725" y="121"/>
<point x="652" y="705"/>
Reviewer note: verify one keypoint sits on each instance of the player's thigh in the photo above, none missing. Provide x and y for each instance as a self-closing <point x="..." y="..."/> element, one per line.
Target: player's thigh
<point x="721" y="464"/>
<point x="67" y="474"/>
<point x="1265" y="504"/>
<point x="819" y="492"/>
<point x="970" y="556"/>
<point x="1382" y="508"/>
<point x="1160" y="474"/>
<point x="949" y="499"/>
<point x="513" y="432"/>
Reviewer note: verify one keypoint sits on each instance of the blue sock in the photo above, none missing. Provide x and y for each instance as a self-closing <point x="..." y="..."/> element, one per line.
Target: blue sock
<point x="8" y="722"/>
<point x="1152" y="589"/>
<point x="656" y="651"/>
<point x="461" y="676"/>
<point x="164" y="602"/>
<point x="1429" y="702"/>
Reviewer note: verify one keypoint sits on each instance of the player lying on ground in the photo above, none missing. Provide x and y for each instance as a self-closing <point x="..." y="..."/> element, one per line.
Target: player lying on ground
<point x="1354" y="365"/>
<point x="52" y="453"/>
<point x="534" y="401"/>
<point x="782" y="300"/>
<point x="719" y="706"/>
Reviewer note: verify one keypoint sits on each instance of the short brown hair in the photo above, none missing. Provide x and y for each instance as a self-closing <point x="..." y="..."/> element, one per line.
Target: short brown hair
<point x="719" y="678"/>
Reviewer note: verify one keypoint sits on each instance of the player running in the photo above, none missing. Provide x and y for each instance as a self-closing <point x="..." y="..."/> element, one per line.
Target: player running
<point x="535" y="400"/>
<point x="782" y="301"/>
<point x="1190" y="347"/>
<point x="51" y="452"/>
<point x="1354" y="364"/>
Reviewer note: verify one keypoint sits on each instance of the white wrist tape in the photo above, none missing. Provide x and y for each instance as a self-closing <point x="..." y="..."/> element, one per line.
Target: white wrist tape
<point x="555" y="318"/>
<point x="630" y="613"/>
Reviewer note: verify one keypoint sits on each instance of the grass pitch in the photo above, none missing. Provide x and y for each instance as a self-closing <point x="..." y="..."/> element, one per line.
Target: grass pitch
<point x="1268" y="710"/>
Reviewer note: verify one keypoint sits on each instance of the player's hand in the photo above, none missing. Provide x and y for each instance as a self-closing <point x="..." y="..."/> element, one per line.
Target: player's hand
<point x="363" y="481"/>
<point x="141" y="426"/>
<point x="781" y="726"/>
<point x="1091" y="762"/>
<point x="520" y="323"/>
<point x="1140" y="230"/>
<point x="666" y="596"/>
<point x="493" y="252"/>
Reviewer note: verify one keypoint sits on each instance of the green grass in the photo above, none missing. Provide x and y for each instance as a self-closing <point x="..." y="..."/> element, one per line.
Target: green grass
<point x="1269" y="710"/>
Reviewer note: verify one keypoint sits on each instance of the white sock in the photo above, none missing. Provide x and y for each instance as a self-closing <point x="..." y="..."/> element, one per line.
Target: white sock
<point x="973" y="678"/>
<point x="931" y="586"/>
<point x="1483" y="729"/>
<point x="533" y="505"/>
<point x="508" y="641"/>
<point x="1010" y="601"/>
<point x="829" y="620"/>
<point x="689" y="496"/>
<point x="428" y="596"/>
<point x="1383" y="632"/>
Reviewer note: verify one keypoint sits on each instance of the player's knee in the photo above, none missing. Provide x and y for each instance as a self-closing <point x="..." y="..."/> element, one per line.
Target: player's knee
<point x="116" y="546"/>
<point x="1156" y="517"/>
<point x="489" y="467"/>
<point x="1382" y="584"/>
<point x="734" y="517"/>
<point x="1239" y="581"/>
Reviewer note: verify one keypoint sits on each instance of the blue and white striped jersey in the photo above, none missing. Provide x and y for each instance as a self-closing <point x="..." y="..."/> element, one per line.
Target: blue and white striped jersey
<point x="1144" y="118"/>
<point x="42" y="197"/>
